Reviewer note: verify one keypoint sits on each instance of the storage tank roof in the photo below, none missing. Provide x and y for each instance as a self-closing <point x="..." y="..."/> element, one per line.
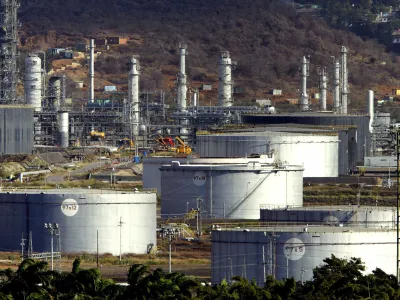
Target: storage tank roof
<point x="250" y="167"/>
<point x="306" y="228"/>
<point x="75" y="191"/>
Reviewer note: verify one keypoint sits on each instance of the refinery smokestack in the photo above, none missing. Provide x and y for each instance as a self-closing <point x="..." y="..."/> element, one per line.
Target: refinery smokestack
<point x="225" y="85"/>
<point x="133" y="95"/>
<point x="370" y="108"/>
<point x="182" y="86"/>
<point x="344" y="79"/>
<point x="91" y="71"/>
<point x="305" y="65"/>
<point x="336" y="85"/>
<point x="323" y="87"/>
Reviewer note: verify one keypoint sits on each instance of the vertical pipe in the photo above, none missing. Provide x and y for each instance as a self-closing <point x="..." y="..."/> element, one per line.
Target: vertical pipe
<point x="52" y="252"/>
<point x="304" y="74"/>
<point x="263" y="258"/>
<point x="323" y="88"/>
<point x="344" y="79"/>
<point x="336" y="86"/>
<point x="170" y="252"/>
<point x="398" y="204"/>
<point x="225" y="84"/>
<point x="91" y="72"/>
<point x="181" y="80"/>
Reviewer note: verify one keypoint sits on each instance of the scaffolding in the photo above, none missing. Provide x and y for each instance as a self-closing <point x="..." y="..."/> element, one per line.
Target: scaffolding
<point x="8" y="50"/>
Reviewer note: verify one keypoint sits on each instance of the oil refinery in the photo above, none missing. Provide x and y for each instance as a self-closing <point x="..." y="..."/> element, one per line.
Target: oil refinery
<point x="236" y="163"/>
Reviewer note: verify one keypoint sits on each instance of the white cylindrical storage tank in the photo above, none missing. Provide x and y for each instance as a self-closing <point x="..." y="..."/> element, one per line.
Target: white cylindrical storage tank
<point x="80" y="213"/>
<point x="294" y="251"/>
<point x="317" y="152"/>
<point x="33" y="81"/>
<point x="229" y="191"/>
<point x="152" y="174"/>
<point x="225" y="85"/>
<point x="63" y="128"/>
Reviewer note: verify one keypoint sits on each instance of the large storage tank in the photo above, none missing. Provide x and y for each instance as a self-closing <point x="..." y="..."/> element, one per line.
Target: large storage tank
<point x="317" y="152"/>
<point x="359" y="142"/>
<point x="80" y="214"/>
<point x="33" y="81"/>
<point x="152" y="165"/>
<point x="294" y="251"/>
<point x="229" y="191"/>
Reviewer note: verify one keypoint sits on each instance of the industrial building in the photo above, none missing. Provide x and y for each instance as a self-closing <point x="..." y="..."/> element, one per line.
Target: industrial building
<point x="295" y="241"/>
<point x="316" y="150"/>
<point x="233" y="191"/>
<point x="125" y="222"/>
<point x="16" y="130"/>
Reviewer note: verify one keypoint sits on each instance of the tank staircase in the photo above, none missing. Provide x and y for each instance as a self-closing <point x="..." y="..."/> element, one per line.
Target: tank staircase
<point x="248" y="194"/>
<point x="347" y="216"/>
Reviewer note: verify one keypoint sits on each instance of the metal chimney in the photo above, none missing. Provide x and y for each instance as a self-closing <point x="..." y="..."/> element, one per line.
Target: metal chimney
<point x="133" y="94"/>
<point x="305" y="63"/>
<point x="370" y="108"/>
<point x="91" y="71"/>
<point x="181" y="79"/>
<point x="323" y="87"/>
<point x="344" y="79"/>
<point x="336" y="85"/>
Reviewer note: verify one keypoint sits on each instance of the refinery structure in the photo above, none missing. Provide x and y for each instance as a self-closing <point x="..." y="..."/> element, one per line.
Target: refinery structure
<point x="225" y="163"/>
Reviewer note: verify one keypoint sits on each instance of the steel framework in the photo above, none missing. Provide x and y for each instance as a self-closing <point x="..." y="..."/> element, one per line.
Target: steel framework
<point x="8" y="50"/>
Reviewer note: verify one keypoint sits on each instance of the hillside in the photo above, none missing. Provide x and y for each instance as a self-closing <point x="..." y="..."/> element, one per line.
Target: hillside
<point x="267" y="39"/>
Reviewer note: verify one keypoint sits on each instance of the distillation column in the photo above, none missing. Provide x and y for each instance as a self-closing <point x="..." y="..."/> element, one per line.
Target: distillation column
<point x="133" y="95"/>
<point x="336" y="86"/>
<point x="91" y="71"/>
<point x="305" y="64"/>
<point x="344" y="79"/>
<point x="225" y="85"/>
<point x="323" y="86"/>
<point x="8" y="50"/>
<point x="33" y="82"/>
<point x="181" y="80"/>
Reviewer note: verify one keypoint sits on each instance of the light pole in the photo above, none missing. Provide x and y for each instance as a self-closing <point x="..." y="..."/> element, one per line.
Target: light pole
<point x="120" y="238"/>
<point x="169" y="232"/>
<point x="53" y="230"/>
<point x="187" y="207"/>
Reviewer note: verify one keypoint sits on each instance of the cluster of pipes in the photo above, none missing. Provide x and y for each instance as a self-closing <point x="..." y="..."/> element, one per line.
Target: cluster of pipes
<point x="340" y="83"/>
<point x="225" y="83"/>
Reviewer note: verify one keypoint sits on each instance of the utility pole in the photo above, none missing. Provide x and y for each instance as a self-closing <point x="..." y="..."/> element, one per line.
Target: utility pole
<point x="169" y="232"/>
<point x="97" y="256"/>
<point x="22" y="246"/>
<point x="54" y="230"/>
<point x="120" y="238"/>
<point x="199" y="229"/>
<point x="397" y="134"/>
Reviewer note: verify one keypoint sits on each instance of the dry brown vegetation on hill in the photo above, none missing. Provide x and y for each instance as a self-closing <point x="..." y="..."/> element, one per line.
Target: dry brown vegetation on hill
<point x="267" y="39"/>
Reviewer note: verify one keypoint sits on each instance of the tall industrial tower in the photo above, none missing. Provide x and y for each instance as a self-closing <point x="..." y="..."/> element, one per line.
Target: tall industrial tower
<point x="305" y="67"/>
<point x="8" y="50"/>
<point x="225" y="84"/>
<point x="133" y="94"/>
<point x="182" y="79"/>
